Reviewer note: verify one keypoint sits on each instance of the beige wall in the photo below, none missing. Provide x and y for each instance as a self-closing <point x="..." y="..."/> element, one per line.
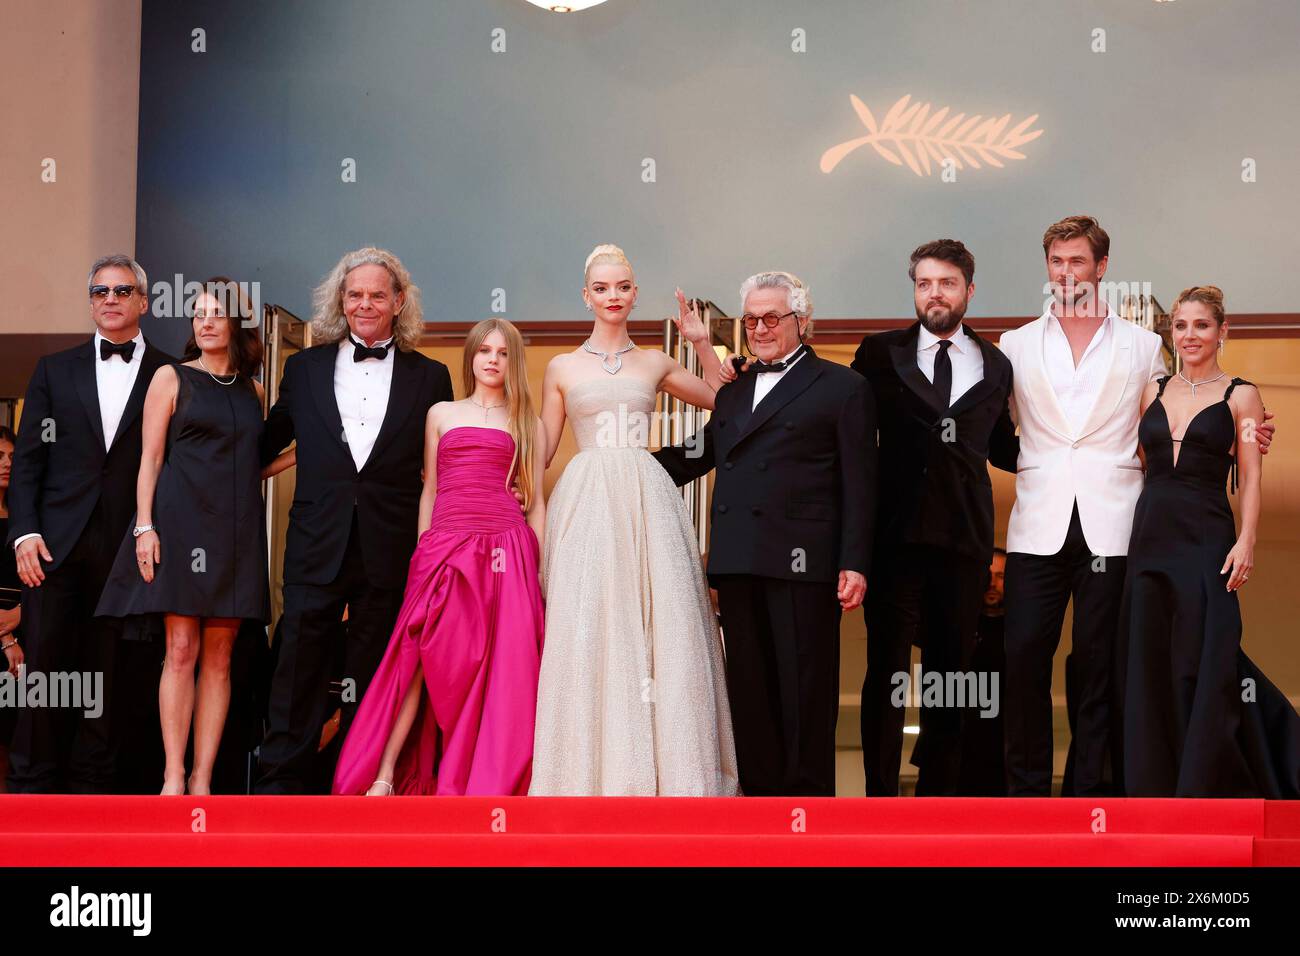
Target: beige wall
<point x="71" y="80"/>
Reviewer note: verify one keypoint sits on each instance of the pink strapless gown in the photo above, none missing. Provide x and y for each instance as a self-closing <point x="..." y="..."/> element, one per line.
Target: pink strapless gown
<point x="472" y="616"/>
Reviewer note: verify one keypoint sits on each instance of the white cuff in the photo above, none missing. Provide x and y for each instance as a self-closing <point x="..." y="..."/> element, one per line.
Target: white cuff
<point x="21" y="538"/>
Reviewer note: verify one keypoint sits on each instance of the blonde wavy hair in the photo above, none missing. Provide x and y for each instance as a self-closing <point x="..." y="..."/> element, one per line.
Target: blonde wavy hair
<point x="329" y="324"/>
<point x="522" y="419"/>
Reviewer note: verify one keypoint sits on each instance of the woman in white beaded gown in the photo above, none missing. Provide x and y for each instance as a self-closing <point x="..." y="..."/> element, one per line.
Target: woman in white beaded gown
<point x="632" y="699"/>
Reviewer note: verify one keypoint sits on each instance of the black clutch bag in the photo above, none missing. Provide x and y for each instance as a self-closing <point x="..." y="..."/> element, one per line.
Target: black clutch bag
<point x="10" y="598"/>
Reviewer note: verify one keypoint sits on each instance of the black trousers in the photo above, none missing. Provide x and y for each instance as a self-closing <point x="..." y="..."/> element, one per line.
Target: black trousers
<point x="983" y="762"/>
<point x="309" y="632"/>
<point x="57" y="750"/>
<point x="1038" y="588"/>
<point x="930" y="598"/>
<point x="783" y="673"/>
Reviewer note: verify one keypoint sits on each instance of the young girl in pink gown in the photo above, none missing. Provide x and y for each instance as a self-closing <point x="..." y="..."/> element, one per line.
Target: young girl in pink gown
<point x="469" y="634"/>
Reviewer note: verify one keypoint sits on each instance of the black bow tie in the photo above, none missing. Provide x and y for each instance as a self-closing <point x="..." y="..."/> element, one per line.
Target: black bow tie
<point x="362" y="352"/>
<point x="777" y="366"/>
<point x="107" y="350"/>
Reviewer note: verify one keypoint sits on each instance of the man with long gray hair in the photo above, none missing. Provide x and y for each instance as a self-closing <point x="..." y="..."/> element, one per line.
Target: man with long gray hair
<point x="356" y="402"/>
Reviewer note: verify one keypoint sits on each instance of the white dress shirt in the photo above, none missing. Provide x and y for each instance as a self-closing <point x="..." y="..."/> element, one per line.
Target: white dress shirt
<point x="114" y="380"/>
<point x="361" y="390"/>
<point x="1077" y="387"/>
<point x="965" y="355"/>
<point x="766" y="381"/>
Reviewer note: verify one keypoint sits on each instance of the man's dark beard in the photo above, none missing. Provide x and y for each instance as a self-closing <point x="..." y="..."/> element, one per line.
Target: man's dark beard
<point x="943" y="325"/>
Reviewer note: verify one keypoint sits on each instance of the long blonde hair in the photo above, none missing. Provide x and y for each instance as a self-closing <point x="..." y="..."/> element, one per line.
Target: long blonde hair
<point x="330" y="325"/>
<point x="522" y="419"/>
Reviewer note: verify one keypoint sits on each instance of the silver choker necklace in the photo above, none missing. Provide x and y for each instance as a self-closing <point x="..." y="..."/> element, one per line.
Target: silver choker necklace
<point x="604" y="356"/>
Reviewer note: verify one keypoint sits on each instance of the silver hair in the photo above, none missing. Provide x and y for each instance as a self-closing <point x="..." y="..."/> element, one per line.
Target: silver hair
<point x="329" y="324"/>
<point x="800" y="302"/>
<point x="121" y="262"/>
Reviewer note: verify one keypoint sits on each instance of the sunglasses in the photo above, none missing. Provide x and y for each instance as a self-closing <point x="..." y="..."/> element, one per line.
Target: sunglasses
<point x="101" y="292"/>
<point x="771" y="320"/>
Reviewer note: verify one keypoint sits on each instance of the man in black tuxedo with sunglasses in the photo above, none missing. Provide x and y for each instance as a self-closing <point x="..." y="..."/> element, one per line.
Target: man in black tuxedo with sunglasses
<point x="71" y="499"/>
<point x="356" y="404"/>
<point x="793" y="501"/>
<point x="942" y="393"/>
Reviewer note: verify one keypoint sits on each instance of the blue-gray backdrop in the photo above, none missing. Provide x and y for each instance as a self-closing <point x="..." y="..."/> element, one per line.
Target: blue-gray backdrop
<point x="487" y="168"/>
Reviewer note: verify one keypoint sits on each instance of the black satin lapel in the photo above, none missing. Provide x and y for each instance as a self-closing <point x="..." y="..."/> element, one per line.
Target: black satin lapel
<point x="322" y="388"/>
<point x="150" y="362"/>
<point x="744" y="402"/>
<point x="986" y="386"/>
<point x="803" y="374"/>
<point x="87" y="390"/>
<point x="904" y="358"/>
<point x="400" y="391"/>
<point x="975" y="394"/>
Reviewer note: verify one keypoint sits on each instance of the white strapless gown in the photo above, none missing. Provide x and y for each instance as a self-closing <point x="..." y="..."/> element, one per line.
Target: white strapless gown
<point x="632" y="698"/>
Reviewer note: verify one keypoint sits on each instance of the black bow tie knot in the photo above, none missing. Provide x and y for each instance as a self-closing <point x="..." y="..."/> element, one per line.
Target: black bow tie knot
<point x="777" y="366"/>
<point x="108" y="349"/>
<point x="361" y="351"/>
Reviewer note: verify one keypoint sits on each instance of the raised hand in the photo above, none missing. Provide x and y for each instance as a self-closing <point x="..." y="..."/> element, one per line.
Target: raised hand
<point x="688" y="320"/>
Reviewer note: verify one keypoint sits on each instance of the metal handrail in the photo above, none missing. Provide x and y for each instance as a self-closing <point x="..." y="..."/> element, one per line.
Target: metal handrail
<point x="679" y="420"/>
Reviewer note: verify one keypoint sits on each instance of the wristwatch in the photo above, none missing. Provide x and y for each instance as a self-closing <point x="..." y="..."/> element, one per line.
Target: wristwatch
<point x="141" y="529"/>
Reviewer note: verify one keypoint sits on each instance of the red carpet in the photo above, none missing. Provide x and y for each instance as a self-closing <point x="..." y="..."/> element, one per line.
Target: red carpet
<point x="337" y="831"/>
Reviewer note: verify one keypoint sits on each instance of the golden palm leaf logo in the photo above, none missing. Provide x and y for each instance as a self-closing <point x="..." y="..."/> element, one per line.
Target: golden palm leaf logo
<point x="915" y="136"/>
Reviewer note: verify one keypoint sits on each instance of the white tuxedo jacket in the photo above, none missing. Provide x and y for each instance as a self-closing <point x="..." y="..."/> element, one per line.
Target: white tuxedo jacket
<point x="1098" y="466"/>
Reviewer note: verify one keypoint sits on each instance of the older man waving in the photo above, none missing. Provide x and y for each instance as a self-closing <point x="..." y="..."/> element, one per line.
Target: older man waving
<point x="793" y="503"/>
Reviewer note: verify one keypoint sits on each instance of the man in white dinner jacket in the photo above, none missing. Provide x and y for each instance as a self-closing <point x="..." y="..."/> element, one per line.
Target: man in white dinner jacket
<point x="1079" y="373"/>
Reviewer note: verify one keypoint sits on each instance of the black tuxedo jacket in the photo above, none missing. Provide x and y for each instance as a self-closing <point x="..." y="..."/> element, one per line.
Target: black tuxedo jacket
<point x="61" y="469"/>
<point x="934" y="481"/>
<point x="794" y="495"/>
<point x="385" y="493"/>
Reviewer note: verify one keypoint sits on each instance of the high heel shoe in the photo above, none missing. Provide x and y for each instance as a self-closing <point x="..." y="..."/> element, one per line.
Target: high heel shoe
<point x="386" y="784"/>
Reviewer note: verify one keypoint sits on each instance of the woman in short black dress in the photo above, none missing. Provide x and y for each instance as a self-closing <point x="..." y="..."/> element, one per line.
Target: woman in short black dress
<point x="197" y="553"/>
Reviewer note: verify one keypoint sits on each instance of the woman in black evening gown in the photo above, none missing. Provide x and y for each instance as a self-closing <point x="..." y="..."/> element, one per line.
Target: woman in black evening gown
<point x="197" y="554"/>
<point x="1199" y="718"/>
